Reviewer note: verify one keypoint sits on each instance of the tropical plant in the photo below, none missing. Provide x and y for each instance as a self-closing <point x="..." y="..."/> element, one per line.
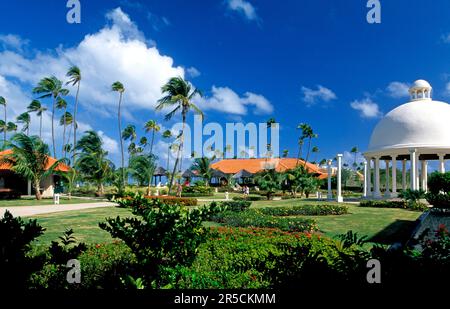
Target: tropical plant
<point x="178" y="93"/>
<point x="315" y="150"/>
<point x="92" y="162"/>
<point x="285" y="153"/>
<point x="167" y="135"/>
<point x="51" y="87"/>
<point x="30" y="158"/>
<point x="203" y="168"/>
<point x="65" y="121"/>
<point x="74" y="75"/>
<point x="151" y="125"/>
<point x="25" y="119"/>
<point x="355" y="151"/>
<point x="307" y="133"/>
<point x="269" y="180"/>
<point x="61" y="104"/>
<point x="3" y="102"/>
<point x="142" y="168"/>
<point x="118" y="87"/>
<point x="36" y="107"/>
<point x="300" y="143"/>
<point x="7" y="127"/>
<point x="69" y="178"/>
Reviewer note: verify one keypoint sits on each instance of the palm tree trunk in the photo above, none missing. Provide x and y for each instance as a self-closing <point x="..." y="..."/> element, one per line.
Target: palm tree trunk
<point x="64" y="134"/>
<point x="168" y="157"/>
<point x="121" y="143"/>
<point x="75" y="123"/>
<point x="36" y="185"/>
<point x="299" y="154"/>
<point x="307" y="154"/>
<point x="40" y="127"/>
<point x="4" y="131"/>
<point x="180" y="151"/>
<point x="151" y="144"/>
<point x="53" y="127"/>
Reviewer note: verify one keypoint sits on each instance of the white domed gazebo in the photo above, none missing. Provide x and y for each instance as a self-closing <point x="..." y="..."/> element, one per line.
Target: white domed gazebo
<point x="417" y="131"/>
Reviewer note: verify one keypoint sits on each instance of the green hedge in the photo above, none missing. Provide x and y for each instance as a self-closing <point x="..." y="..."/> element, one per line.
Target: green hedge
<point x="255" y="218"/>
<point x="416" y="206"/>
<point x="306" y="210"/>
<point x="190" y="194"/>
<point x="236" y="205"/>
<point x="249" y="198"/>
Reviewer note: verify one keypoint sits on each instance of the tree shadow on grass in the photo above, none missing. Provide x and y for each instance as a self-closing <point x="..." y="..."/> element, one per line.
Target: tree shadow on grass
<point x="398" y="231"/>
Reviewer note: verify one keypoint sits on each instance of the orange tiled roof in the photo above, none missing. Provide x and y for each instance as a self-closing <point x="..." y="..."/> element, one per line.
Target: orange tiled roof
<point x="61" y="167"/>
<point x="232" y="166"/>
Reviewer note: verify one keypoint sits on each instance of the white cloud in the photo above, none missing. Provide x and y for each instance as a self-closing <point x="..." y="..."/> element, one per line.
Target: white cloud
<point x="243" y="7"/>
<point x="109" y="144"/>
<point x="367" y="108"/>
<point x="398" y="89"/>
<point x="13" y="41"/>
<point x="226" y="100"/>
<point x="311" y="96"/>
<point x="445" y="38"/>
<point x="447" y="89"/>
<point x="116" y="52"/>
<point x="193" y="72"/>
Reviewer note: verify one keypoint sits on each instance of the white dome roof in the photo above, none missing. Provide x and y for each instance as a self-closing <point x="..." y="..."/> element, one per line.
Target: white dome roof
<point x="420" y="83"/>
<point x="421" y="123"/>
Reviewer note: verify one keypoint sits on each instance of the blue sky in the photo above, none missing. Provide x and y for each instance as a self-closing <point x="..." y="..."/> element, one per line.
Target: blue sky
<point x="318" y="61"/>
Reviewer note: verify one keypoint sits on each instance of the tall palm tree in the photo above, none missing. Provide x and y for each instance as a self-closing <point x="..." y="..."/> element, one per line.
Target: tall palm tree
<point x="129" y="133"/>
<point x="167" y="135"/>
<point x="118" y="87"/>
<point x="315" y="150"/>
<point x="66" y="120"/>
<point x="300" y="142"/>
<point x="151" y="125"/>
<point x="203" y="168"/>
<point x="25" y="119"/>
<point x="355" y="151"/>
<point x="74" y="75"/>
<point x="3" y="102"/>
<point x="51" y="87"/>
<point x="36" y="107"/>
<point x="29" y="158"/>
<point x="11" y="126"/>
<point x="307" y="133"/>
<point x="92" y="161"/>
<point x="62" y="104"/>
<point x="178" y="93"/>
<point x="285" y="153"/>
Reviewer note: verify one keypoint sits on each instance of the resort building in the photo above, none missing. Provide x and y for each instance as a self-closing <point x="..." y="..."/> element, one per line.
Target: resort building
<point x="11" y="183"/>
<point x="410" y="135"/>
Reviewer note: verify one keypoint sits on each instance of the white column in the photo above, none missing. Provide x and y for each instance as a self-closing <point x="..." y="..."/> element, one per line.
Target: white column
<point x="424" y="174"/>
<point x="330" y="193"/>
<point x="441" y="163"/>
<point x="29" y="187"/>
<point x="403" y="174"/>
<point x="376" y="183"/>
<point x="394" y="176"/>
<point x="365" y="180"/>
<point x="387" y="193"/>
<point x="369" y="177"/>
<point x="339" y="179"/>
<point x="417" y="172"/>
<point x="413" y="169"/>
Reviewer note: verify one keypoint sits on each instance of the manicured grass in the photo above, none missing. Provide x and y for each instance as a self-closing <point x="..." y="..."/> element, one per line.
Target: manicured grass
<point x="379" y="224"/>
<point x="46" y="201"/>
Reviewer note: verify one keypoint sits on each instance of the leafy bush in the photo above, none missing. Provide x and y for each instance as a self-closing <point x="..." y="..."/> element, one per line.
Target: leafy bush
<point x="255" y="218"/>
<point x="198" y="189"/>
<point x="239" y="205"/>
<point x="163" y="236"/>
<point x="306" y="210"/>
<point x="196" y="194"/>
<point x="417" y="206"/>
<point x="140" y="201"/>
<point x="16" y="264"/>
<point x="248" y="198"/>
<point x="439" y="187"/>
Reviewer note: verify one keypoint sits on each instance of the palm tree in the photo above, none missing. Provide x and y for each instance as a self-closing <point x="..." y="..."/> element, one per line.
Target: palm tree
<point x="92" y="162"/>
<point x="203" y="168"/>
<point x="179" y="94"/>
<point x="143" y="141"/>
<point x="118" y="87"/>
<point x="355" y="151"/>
<point x="36" y="107"/>
<point x="29" y="158"/>
<point x="315" y="150"/>
<point x="285" y="153"/>
<point x="151" y="125"/>
<point x="66" y="120"/>
<point x="307" y="133"/>
<point x="140" y="167"/>
<point x="167" y="134"/>
<point x="62" y="104"/>
<point x="300" y="142"/>
<point x="51" y="87"/>
<point x="129" y="133"/>
<point x="74" y="75"/>
<point x="7" y="127"/>
<point x="3" y="102"/>
<point x="25" y="119"/>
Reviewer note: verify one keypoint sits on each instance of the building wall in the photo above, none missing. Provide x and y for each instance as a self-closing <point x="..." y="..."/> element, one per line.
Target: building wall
<point x="47" y="186"/>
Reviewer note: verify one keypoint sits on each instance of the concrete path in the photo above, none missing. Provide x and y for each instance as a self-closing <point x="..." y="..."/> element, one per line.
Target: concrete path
<point x="27" y="211"/>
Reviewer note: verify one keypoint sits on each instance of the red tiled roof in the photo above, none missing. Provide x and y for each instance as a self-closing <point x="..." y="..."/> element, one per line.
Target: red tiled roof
<point x="232" y="166"/>
<point x="60" y="168"/>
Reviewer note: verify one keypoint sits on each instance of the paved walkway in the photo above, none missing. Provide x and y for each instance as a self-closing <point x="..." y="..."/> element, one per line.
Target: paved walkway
<point x="26" y="211"/>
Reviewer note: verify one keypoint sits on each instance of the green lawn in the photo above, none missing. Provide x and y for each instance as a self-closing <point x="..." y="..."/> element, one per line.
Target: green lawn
<point x="379" y="224"/>
<point x="46" y="201"/>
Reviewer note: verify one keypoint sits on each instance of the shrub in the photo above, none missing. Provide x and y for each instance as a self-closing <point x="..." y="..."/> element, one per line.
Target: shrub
<point x="199" y="189"/>
<point x="417" y="206"/>
<point x="239" y="205"/>
<point x="439" y="190"/>
<point x="173" y="200"/>
<point x="306" y="210"/>
<point x="196" y="194"/>
<point x="254" y="218"/>
<point x="248" y="198"/>
<point x="140" y="201"/>
<point x="163" y="236"/>
<point x="16" y="265"/>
